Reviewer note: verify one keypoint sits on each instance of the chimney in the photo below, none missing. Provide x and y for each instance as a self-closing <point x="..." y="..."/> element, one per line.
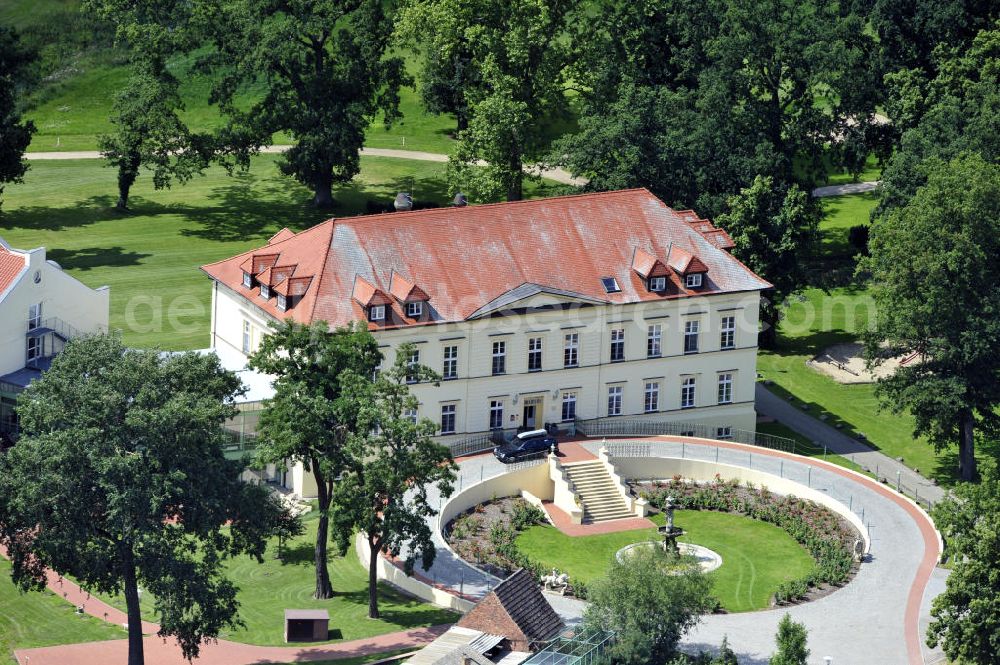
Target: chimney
<point x="403" y="202"/>
<point x="460" y="201"/>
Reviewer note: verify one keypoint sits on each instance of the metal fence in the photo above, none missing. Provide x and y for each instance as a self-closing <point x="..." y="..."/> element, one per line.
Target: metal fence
<point x="582" y="648"/>
<point x="476" y="443"/>
<point x="614" y="427"/>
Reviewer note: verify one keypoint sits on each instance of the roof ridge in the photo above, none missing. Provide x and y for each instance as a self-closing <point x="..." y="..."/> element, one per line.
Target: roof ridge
<point x="331" y="225"/>
<point x="424" y="211"/>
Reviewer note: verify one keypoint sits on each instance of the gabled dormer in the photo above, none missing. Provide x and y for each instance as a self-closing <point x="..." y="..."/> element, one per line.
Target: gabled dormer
<point x="412" y="299"/>
<point x="289" y="291"/>
<point x="652" y="270"/>
<point x="689" y="267"/>
<point x="375" y="301"/>
<point x="254" y="266"/>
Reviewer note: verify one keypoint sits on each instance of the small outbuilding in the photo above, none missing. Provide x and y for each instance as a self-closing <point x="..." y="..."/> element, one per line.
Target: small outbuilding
<point x="307" y="625"/>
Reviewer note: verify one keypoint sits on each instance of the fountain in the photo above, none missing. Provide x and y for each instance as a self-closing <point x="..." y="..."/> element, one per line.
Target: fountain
<point x="670" y="531"/>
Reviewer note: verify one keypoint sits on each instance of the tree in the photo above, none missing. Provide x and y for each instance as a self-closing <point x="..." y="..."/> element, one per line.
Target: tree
<point x="149" y="131"/>
<point x="325" y="74"/>
<point x="304" y="422"/>
<point x="791" y="642"/>
<point x="15" y="133"/>
<point x="518" y="53"/>
<point x="125" y="447"/>
<point x="965" y="617"/>
<point x="956" y="111"/>
<point x="934" y="279"/>
<point x="773" y="227"/>
<point x="392" y="462"/>
<point x="288" y="525"/>
<point x="649" y="608"/>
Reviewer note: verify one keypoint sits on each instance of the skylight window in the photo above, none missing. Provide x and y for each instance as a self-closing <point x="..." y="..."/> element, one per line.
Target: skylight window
<point x="610" y="284"/>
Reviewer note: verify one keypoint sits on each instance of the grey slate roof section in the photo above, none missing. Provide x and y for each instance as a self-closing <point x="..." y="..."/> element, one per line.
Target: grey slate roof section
<point x="520" y="596"/>
<point x="527" y="290"/>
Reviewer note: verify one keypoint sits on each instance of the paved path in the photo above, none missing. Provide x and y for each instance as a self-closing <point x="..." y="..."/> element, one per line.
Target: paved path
<point x="878" y="618"/>
<point x="166" y="652"/>
<point x="849" y="188"/>
<point x="558" y="175"/>
<point x="769" y="404"/>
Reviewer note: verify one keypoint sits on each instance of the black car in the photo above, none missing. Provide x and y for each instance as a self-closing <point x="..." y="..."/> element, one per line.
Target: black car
<point x="536" y="443"/>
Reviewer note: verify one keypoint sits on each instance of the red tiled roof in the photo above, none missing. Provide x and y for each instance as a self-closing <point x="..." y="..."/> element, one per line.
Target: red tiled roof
<point x="685" y="262"/>
<point x="367" y="294"/>
<point x="648" y="265"/>
<point x="404" y="290"/>
<point x="466" y="257"/>
<point x="11" y="265"/>
<point x="283" y="234"/>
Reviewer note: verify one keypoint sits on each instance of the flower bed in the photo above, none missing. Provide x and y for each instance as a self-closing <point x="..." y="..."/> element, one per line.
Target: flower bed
<point x="486" y="535"/>
<point x="825" y="535"/>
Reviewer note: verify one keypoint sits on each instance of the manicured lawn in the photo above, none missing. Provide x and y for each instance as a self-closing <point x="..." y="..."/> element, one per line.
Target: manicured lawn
<point x="41" y="619"/>
<point x="756" y="556"/>
<point x="268" y="589"/>
<point x="840" y="213"/>
<point x="151" y="255"/>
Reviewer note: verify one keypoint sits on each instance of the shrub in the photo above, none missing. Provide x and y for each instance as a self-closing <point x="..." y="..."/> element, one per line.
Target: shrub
<point x="858" y="237"/>
<point x="524" y="514"/>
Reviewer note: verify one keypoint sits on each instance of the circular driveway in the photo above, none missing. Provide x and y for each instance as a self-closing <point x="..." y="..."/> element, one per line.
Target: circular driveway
<point x="877" y="618"/>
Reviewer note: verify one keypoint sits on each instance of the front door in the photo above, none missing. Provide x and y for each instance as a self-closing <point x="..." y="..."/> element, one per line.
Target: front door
<point x="532" y="413"/>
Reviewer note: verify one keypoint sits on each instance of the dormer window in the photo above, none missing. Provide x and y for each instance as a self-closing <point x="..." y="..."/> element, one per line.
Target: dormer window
<point x="693" y="281"/>
<point x="657" y="283"/>
<point x="414" y="309"/>
<point x="376" y="313"/>
<point x="282" y="302"/>
<point x="265" y="291"/>
<point x="247" y="280"/>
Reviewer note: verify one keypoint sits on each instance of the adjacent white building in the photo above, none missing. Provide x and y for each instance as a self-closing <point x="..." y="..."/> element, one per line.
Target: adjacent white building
<point x="41" y="308"/>
<point x="561" y="310"/>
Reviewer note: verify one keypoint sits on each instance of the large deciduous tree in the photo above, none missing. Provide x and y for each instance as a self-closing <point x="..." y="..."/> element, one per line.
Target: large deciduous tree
<point x="392" y="462"/>
<point x="149" y="132"/>
<point x="15" y="133"/>
<point x="935" y="277"/>
<point x="119" y="480"/>
<point x="966" y="617"/>
<point x="325" y="72"/>
<point x="307" y="420"/>
<point x="647" y="606"/>
<point x="773" y="227"/>
<point x="516" y="56"/>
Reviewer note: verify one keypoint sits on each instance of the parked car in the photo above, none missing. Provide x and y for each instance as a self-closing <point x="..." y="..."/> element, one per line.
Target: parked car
<point x="536" y="443"/>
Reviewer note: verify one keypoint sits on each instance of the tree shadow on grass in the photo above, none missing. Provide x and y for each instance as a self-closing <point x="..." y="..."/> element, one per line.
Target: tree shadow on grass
<point x="88" y="258"/>
<point x="398" y="609"/>
<point x="48" y="218"/>
<point x="298" y="554"/>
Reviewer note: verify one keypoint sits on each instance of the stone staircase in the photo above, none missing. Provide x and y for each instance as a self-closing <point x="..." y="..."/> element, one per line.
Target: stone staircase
<point x="598" y="494"/>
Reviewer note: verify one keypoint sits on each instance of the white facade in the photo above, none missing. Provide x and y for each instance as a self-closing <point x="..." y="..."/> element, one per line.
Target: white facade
<point x="43" y="291"/>
<point x="711" y="384"/>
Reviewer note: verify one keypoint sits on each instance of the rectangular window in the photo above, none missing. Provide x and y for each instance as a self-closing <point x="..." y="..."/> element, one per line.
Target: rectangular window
<point x="724" y="432"/>
<point x="499" y="357"/>
<point x="449" y="370"/>
<point x="411" y="366"/>
<point x="568" y="407"/>
<point x="411" y="415"/>
<point x="34" y="316"/>
<point x="691" y="336"/>
<point x="376" y="313"/>
<point x="571" y="352"/>
<point x="534" y="354"/>
<point x="693" y="281"/>
<point x="282" y="303"/>
<point x="615" y="400"/>
<point x="34" y="348"/>
<point x="610" y="285"/>
<point x="725" y="388"/>
<point x="727" y="338"/>
<point x="651" y="402"/>
<point x="414" y="309"/>
<point x="617" y="345"/>
<point x="246" y="337"/>
<point x="657" y="283"/>
<point x="247" y="280"/>
<point x="496" y="414"/>
<point x="265" y="291"/>
<point x="687" y="393"/>
<point x="447" y="418"/>
<point x="653" y="341"/>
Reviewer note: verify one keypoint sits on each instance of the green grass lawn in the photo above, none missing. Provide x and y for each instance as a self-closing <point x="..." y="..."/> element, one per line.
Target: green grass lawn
<point x="756" y="556"/>
<point x="41" y="619"/>
<point x="804" y="446"/>
<point x="150" y="256"/>
<point x="267" y="590"/>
